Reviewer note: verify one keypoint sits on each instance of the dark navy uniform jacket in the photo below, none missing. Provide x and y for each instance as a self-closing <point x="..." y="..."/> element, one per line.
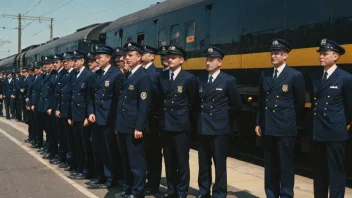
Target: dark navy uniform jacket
<point x="104" y="95"/>
<point x="81" y="94"/>
<point x="154" y="108"/>
<point x="8" y="88"/>
<point x="134" y="101"/>
<point x="29" y="90"/>
<point x="36" y="90"/>
<point x="331" y="105"/>
<point x="24" y="86"/>
<point x="1" y="85"/>
<point x="64" y="103"/>
<point x="177" y="101"/>
<point x="56" y="84"/>
<point x="17" y="88"/>
<point x="278" y="101"/>
<point x="46" y="93"/>
<point x="217" y="101"/>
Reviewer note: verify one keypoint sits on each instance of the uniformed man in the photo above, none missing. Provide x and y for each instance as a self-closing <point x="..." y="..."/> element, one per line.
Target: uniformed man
<point x="8" y="87"/>
<point x="82" y="88"/>
<point x="62" y="112"/>
<point x="23" y="93"/>
<point x="219" y="98"/>
<point x="177" y="94"/>
<point x="118" y="57"/>
<point x="34" y="102"/>
<point x="152" y="139"/>
<point x="132" y="122"/>
<point x="282" y="89"/>
<point x="332" y="107"/>
<point x="1" y="93"/>
<point x="30" y="121"/>
<point x="102" y="112"/>
<point x="18" y="97"/>
<point x="95" y="135"/>
<point x="163" y="57"/>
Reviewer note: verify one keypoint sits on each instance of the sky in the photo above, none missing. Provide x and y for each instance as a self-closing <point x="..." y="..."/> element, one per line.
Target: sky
<point x="69" y="15"/>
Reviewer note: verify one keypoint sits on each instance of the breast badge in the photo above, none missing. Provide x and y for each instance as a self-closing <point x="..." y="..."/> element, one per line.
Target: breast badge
<point x="285" y="88"/>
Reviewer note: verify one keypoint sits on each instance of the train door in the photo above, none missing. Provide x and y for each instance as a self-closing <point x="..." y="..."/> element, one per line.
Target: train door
<point x="206" y="42"/>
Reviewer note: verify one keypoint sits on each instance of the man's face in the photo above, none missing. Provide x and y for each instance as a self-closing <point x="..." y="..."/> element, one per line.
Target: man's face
<point x="9" y="75"/>
<point x="119" y="61"/>
<point x="213" y="64"/>
<point x="132" y="59"/>
<point x="147" y="58"/>
<point x="78" y="63"/>
<point x="175" y="61"/>
<point x="164" y="61"/>
<point x="57" y="65"/>
<point x="92" y="64"/>
<point x="278" y="57"/>
<point x="68" y="64"/>
<point x="328" y="58"/>
<point x="103" y="60"/>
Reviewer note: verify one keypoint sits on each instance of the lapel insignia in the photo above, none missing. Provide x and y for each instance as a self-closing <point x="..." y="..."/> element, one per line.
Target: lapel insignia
<point x="131" y="87"/>
<point x="107" y="83"/>
<point x="334" y="87"/>
<point x="218" y="89"/>
<point x="179" y="89"/>
<point x="285" y="88"/>
<point x="200" y="90"/>
<point x="144" y="95"/>
<point x="323" y="42"/>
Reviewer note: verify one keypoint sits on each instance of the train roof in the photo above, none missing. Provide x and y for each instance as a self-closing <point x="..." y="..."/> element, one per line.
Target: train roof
<point x="88" y="33"/>
<point x="8" y="60"/>
<point x="156" y="10"/>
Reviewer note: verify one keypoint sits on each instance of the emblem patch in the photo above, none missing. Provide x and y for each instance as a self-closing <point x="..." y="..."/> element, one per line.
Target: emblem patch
<point x="107" y="83"/>
<point x="200" y="90"/>
<point x="323" y="42"/>
<point x="129" y="44"/>
<point x="131" y="87"/>
<point x="144" y="95"/>
<point x="96" y="47"/>
<point x="172" y="48"/>
<point x="210" y="50"/>
<point x="285" y="88"/>
<point x="275" y="42"/>
<point x="179" y="89"/>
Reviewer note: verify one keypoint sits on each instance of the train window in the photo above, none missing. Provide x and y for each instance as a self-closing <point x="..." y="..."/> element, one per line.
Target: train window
<point x="129" y="39"/>
<point x="190" y="36"/>
<point x="162" y="38"/>
<point x="140" y="38"/>
<point x="175" y="35"/>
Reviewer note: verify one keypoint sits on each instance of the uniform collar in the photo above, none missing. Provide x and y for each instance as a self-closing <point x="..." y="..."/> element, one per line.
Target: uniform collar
<point x="176" y="72"/>
<point x="135" y="69"/>
<point x="330" y="70"/>
<point x="214" y="75"/>
<point x="148" y="65"/>
<point x="279" y="69"/>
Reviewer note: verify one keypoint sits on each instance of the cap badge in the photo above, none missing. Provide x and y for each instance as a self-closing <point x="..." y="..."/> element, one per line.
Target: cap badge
<point x="96" y="47"/>
<point x="275" y="42"/>
<point x="210" y="50"/>
<point x="172" y="48"/>
<point x="323" y="42"/>
<point x="129" y="45"/>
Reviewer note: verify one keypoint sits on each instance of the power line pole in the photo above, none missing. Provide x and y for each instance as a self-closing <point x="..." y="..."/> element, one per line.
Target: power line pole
<point x="19" y="17"/>
<point x="19" y="33"/>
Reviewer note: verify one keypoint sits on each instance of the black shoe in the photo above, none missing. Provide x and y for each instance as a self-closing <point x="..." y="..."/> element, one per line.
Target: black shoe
<point x="56" y="162"/>
<point x="34" y="145"/>
<point x="27" y="141"/>
<point x="203" y="196"/>
<point x="95" y="181"/>
<point x="102" y="186"/>
<point x="77" y="176"/>
<point x="169" y="196"/>
<point x="122" y="195"/>
<point x="149" y="191"/>
<point x="48" y="156"/>
<point x="70" y="168"/>
<point x="63" y="165"/>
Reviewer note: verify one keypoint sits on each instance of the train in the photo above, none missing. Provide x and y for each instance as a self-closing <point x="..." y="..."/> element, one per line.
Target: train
<point x="243" y="29"/>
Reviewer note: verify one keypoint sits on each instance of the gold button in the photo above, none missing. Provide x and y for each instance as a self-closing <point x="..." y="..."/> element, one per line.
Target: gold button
<point x="267" y="100"/>
<point x="324" y="114"/>
<point x="172" y="102"/>
<point x="213" y="100"/>
<point x="103" y="94"/>
<point x="202" y="100"/>
<point x="78" y="104"/>
<point x="210" y="114"/>
<point x="164" y="100"/>
<point x="316" y="103"/>
<point x="315" y="113"/>
<point x="266" y="107"/>
<point x="123" y="110"/>
<point x="201" y="106"/>
<point x="325" y="109"/>
<point x="275" y="105"/>
<point x="273" y="111"/>
<point x="267" y="92"/>
<point x="328" y="96"/>
<point x="172" y="109"/>
<point x="211" y="107"/>
<point x="175" y="95"/>
<point x="164" y="109"/>
<point x="326" y="103"/>
<point x="277" y="101"/>
<point x="315" y="109"/>
<point x="201" y="113"/>
<point x="125" y="96"/>
<point x="277" y="96"/>
<point x="78" y="94"/>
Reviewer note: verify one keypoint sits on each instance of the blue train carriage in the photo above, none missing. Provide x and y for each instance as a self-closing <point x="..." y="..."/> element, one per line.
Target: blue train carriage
<point x="243" y="29"/>
<point x="83" y="39"/>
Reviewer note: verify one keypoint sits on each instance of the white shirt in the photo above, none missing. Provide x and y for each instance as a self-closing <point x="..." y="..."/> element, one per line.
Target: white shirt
<point x="176" y="72"/>
<point x="10" y="79"/>
<point x="279" y="70"/>
<point x="69" y="71"/>
<point x="330" y="71"/>
<point x="214" y="75"/>
<point x="80" y="71"/>
<point x="135" y="69"/>
<point x="60" y="69"/>
<point x="167" y="68"/>
<point x="148" y="65"/>
<point x="106" y="69"/>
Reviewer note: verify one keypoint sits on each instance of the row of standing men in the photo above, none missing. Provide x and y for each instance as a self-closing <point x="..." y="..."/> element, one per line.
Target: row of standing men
<point x="135" y="111"/>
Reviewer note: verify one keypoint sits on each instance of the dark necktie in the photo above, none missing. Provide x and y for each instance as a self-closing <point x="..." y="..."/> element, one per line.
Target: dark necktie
<point x="128" y="74"/>
<point x="172" y="76"/>
<point x="77" y="74"/>
<point x="275" y="75"/>
<point x="325" y="76"/>
<point x="210" y="81"/>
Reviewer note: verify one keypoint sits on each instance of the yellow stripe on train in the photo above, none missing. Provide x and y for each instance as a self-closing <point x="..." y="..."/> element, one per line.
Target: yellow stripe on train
<point x="297" y="57"/>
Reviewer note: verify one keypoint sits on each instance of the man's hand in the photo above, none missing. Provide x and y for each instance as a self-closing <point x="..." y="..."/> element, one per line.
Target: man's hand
<point x="69" y="122"/>
<point x="91" y="118"/>
<point x="85" y="123"/>
<point x="27" y="99"/>
<point x="49" y="112"/>
<point x="21" y="90"/>
<point x="32" y="107"/>
<point x="12" y="96"/>
<point x="57" y="114"/>
<point x="258" y="131"/>
<point x="138" y="134"/>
